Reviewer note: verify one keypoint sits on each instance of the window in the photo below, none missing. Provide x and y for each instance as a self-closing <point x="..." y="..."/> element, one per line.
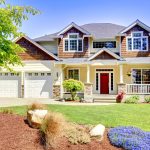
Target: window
<point x="48" y="74"/>
<point x="96" y="81"/>
<point x="73" y="43"/>
<point x="36" y="74"/>
<point x="42" y="74"/>
<point x="73" y="74"/>
<point x="141" y="76"/>
<point x="137" y="42"/>
<point x="107" y="44"/>
<point x="112" y="85"/>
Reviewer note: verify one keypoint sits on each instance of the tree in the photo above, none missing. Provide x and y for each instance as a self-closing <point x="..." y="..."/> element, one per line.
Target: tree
<point x="73" y="86"/>
<point x="11" y="18"/>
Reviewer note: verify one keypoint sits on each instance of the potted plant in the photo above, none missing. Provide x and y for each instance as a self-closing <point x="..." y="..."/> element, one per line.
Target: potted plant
<point x="119" y="97"/>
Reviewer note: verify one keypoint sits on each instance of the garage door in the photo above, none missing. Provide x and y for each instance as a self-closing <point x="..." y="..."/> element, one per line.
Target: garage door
<point x="38" y="85"/>
<point x="10" y="85"/>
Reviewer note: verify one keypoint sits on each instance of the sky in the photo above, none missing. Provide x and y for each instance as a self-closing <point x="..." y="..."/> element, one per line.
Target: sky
<point x="57" y="14"/>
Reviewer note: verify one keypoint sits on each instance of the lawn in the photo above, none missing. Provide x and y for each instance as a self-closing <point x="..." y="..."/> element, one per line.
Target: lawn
<point x="113" y="115"/>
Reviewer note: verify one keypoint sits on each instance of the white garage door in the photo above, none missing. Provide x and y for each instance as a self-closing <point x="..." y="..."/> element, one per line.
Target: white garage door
<point x="10" y="85"/>
<point x="38" y="85"/>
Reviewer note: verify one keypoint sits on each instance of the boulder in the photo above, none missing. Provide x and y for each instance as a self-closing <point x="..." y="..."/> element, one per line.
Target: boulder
<point x="35" y="117"/>
<point x="98" y="130"/>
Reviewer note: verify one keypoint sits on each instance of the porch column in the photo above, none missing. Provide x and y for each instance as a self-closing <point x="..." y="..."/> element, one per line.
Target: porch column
<point x="121" y="73"/>
<point x="22" y="83"/>
<point x="88" y="73"/>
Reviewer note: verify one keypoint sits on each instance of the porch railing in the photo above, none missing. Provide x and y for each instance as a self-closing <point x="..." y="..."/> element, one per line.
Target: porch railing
<point x="138" y="88"/>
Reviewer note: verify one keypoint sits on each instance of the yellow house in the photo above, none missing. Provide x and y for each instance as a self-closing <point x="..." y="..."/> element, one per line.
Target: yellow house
<point x="107" y="58"/>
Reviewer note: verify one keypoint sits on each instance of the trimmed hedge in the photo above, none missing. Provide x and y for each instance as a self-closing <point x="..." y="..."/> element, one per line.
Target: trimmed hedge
<point x="129" y="138"/>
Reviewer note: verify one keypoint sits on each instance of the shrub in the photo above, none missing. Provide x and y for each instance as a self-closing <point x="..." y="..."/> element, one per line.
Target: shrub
<point x="73" y="86"/>
<point x="129" y="138"/>
<point x="52" y="128"/>
<point x="7" y="111"/>
<point x="132" y="100"/>
<point x="147" y="99"/>
<point x="77" y="134"/>
<point x="36" y="105"/>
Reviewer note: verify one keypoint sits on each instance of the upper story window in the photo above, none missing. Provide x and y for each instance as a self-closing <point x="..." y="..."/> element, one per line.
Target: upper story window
<point x="137" y="42"/>
<point x="73" y="43"/>
<point x="107" y="44"/>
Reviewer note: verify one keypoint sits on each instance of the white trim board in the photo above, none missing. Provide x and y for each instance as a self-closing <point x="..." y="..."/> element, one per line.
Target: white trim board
<point x="137" y="22"/>
<point x="104" y="50"/>
<point x="73" y="25"/>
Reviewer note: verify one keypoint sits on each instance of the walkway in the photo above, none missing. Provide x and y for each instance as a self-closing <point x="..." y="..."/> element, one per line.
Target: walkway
<point x="8" y="102"/>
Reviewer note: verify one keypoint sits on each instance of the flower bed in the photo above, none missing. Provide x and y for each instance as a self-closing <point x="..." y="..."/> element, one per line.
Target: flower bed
<point x="129" y="138"/>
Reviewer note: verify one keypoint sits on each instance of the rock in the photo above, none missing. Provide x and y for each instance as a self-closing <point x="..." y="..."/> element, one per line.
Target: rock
<point x="35" y="117"/>
<point x="98" y="130"/>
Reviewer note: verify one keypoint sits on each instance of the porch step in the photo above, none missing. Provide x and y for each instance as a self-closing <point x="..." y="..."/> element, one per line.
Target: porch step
<point x="105" y="99"/>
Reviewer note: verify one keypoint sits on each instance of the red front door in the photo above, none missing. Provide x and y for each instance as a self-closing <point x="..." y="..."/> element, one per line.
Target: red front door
<point x="104" y="83"/>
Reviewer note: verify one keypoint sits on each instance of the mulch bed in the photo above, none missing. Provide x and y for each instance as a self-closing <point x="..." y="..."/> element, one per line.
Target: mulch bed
<point x="15" y="134"/>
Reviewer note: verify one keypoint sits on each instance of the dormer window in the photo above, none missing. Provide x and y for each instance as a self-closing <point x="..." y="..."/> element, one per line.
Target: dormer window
<point x="137" y="42"/>
<point x="73" y="43"/>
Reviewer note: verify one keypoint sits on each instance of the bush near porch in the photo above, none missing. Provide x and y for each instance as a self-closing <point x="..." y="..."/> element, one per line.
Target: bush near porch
<point x="111" y="116"/>
<point x="73" y="86"/>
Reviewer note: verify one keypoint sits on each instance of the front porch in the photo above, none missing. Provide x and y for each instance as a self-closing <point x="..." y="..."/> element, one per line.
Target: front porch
<point x="107" y="77"/>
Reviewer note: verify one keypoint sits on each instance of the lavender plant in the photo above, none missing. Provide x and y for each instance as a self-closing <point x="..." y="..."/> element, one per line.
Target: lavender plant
<point x="129" y="138"/>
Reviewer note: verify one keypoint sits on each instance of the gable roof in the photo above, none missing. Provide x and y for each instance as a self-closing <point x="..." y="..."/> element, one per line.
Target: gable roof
<point x="46" y="38"/>
<point x="39" y="46"/>
<point x="137" y="22"/>
<point x="73" y="25"/>
<point x="96" y="30"/>
<point x="103" y="30"/>
<point x="107" y="51"/>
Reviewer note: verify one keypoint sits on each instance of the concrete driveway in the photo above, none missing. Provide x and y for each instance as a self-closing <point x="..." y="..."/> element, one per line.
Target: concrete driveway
<point x="6" y="102"/>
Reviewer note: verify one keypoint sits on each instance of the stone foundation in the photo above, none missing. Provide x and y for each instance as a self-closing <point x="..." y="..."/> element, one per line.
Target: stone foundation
<point x="88" y="92"/>
<point x="56" y="91"/>
<point x="122" y="88"/>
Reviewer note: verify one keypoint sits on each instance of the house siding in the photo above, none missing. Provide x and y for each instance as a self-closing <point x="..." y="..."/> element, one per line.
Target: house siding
<point x="125" y="53"/>
<point x="32" y="52"/>
<point x="84" y="54"/>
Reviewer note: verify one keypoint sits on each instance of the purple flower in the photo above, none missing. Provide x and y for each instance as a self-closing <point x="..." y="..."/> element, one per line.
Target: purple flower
<point x="129" y="138"/>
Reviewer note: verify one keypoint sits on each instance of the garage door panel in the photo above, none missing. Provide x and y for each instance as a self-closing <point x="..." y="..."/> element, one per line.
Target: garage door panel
<point x="10" y="85"/>
<point x="38" y="86"/>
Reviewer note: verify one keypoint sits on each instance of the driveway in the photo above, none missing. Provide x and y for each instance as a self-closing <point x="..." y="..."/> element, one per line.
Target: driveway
<point x="8" y="102"/>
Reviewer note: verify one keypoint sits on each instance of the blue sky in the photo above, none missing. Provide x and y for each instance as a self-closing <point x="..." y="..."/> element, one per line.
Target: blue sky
<point x="56" y="14"/>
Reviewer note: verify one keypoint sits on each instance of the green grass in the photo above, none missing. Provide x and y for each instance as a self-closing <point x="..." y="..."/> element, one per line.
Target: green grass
<point x="113" y="115"/>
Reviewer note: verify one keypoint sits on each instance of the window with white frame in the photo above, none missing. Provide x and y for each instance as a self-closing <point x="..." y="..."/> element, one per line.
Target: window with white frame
<point x="137" y="42"/>
<point x="73" y="43"/>
<point x="141" y="76"/>
<point x="73" y="74"/>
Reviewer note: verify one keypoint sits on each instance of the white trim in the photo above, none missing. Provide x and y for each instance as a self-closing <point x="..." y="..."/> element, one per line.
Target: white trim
<point x="137" y="22"/>
<point x="39" y="46"/>
<point x="104" y="50"/>
<point x="72" y="69"/>
<point x="78" y="38"/>
<point x="132" y="39"/>
<point x="109" y="72"/>
<point x="121" y="73"/>
<point x="73" y="25"/>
